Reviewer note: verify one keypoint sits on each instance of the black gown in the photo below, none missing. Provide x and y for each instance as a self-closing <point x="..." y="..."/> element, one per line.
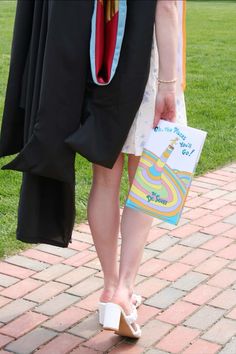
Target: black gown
<point x="53" y="109"/>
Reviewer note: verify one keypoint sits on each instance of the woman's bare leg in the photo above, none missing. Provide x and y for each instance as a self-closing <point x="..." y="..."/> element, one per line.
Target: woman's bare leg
<point x="135" y="227"/>
<point x="104" y="219"/>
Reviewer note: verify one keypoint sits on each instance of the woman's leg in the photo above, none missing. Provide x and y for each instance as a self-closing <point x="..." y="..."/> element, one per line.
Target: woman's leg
<point x="135" y="227"/>
<point x="104" y="220"/>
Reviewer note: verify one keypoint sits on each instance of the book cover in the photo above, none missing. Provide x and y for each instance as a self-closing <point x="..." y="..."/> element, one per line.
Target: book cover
<point x="165" y="171"/>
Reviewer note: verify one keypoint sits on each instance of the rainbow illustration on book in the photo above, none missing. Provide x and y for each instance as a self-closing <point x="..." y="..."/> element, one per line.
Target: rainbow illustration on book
<point x="159" y="189"/>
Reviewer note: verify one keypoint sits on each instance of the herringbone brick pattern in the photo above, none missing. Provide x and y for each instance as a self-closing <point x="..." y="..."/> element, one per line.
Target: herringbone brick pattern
<point x="49" y="295"/>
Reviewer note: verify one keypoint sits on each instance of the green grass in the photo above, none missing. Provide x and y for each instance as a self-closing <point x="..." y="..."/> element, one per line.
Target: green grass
<point x="210" y="100"/>
<point x="211" y="79"/>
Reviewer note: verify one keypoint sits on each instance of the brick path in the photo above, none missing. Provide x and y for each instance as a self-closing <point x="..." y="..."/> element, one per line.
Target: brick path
<point x="48" y="295"/>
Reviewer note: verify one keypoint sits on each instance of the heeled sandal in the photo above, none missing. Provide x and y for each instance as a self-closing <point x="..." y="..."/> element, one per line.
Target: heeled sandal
<point x="102" y="305"/>
<point x="116" y="320"/>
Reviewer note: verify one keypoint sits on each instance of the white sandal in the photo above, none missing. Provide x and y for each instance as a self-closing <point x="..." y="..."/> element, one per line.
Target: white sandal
<point x="116" y="320"/>
<point x="102" y="305"/>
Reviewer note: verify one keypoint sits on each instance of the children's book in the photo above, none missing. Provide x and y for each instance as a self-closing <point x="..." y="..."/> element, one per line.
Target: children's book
<point x="166" y="170"/>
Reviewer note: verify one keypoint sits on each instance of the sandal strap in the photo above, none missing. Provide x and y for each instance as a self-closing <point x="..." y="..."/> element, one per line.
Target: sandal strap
<point x="132" y="317"/>
<point x="138" y="299"/>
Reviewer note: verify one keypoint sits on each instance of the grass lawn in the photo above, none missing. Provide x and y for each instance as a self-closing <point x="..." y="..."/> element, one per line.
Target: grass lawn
<point x="210" y="100"/>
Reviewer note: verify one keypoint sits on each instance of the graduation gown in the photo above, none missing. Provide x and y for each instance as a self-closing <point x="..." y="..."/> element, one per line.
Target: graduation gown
<point x="53" y="108"/>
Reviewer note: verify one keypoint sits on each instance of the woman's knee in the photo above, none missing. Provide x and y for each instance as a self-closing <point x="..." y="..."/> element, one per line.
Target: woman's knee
<point x="132" y="166"/>
<point x="106" y="177"/>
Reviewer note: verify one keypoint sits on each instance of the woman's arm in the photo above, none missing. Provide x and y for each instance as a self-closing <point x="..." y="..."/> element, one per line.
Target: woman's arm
<point x="166" y="29"/>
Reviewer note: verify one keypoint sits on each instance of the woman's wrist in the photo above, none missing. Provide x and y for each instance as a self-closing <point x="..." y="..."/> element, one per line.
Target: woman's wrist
<point x="167" y="86"/>
<point x="172" y="81"/>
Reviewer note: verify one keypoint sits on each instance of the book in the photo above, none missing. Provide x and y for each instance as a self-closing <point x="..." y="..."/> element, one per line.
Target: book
<point x="165" y="170"/>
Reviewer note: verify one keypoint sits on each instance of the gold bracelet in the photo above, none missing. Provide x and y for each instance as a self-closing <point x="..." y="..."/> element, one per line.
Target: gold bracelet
<point x="166" y="81"/>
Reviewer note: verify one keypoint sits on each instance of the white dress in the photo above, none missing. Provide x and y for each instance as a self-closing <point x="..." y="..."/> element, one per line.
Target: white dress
<point x="144" y="117"/>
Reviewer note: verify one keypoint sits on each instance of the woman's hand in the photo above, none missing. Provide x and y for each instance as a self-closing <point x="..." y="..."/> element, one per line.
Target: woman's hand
<point x="165" y="107"/>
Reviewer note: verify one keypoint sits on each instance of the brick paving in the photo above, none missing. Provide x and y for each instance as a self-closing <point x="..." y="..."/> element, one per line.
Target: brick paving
<point x="49" y="295"/>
